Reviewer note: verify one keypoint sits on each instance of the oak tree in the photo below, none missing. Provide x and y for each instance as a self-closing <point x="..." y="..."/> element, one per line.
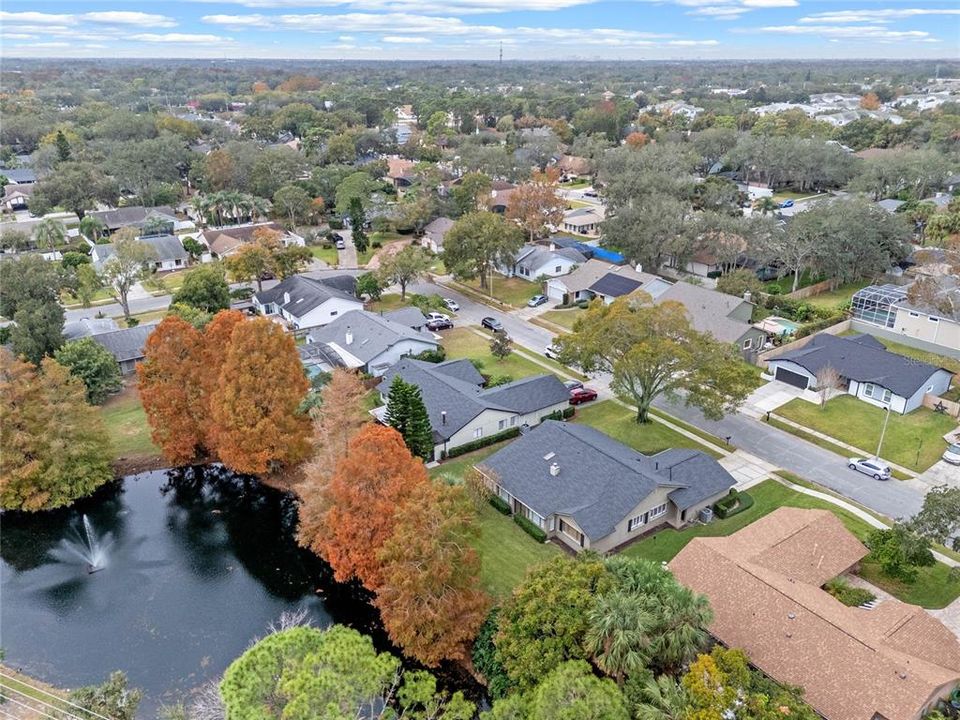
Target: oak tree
<point x="479" y="241"/>
<point x="94" y="365"/>
<point x="535" y="204"/>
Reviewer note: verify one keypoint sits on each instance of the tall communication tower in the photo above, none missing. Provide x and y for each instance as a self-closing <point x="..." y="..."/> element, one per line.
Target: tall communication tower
<point x="501" y="52"/>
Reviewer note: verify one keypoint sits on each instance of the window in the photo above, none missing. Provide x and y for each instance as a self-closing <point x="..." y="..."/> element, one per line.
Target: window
<point x="558" y="269"/>
<point x="501" y="425"/>
<point x="478" y="433"/>
<point x="513" y="421"/>
<point x="913" y="314"/>
<point x="748" y="343"/>
<point x="933" y="319"/>
<point x="658" y="511"/>
<point x="635" y="522"/>
<point x="334" y="312"/>
<point x="876" y="392"/>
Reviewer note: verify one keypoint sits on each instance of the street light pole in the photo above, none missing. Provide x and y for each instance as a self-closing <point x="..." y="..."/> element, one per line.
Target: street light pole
<point x="884" y="430"/>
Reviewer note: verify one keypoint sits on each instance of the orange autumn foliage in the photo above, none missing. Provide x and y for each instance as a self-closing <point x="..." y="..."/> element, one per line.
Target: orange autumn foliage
<point x="637" y="139"/>
<point x="429" y="595"/>
<point x="216" y="339"/>
<point x="372" y="481"/>
<point x="170" y="390"/>
<point x="255" y="407"/>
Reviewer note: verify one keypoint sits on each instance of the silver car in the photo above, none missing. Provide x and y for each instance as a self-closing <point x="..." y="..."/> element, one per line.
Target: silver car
<point x="874" y="467"/>
<point x="952" y="454"/>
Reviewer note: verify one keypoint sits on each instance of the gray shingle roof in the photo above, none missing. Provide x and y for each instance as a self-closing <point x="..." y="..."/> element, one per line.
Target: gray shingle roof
<point x="702" y="475"/>
<point x="409" y="316"/>
<point x="305" y="294"/>
<point x="19" y="175"/>
<point x="76" y="329"/>
<point x="370" y="334"/>
<point x="536" y="257"/>
<point x="126" y="344"/>
<point x="134" y="215"/>
<point x="451" y="388"/>
<point x="859" y="358"/>
<point x="709" y="310"/>
<point x="600" y="479"/>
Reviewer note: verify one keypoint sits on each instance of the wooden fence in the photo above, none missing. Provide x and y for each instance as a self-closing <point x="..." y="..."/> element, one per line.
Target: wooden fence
<point x="949" y="407"/>
<point x="815" y="289"/>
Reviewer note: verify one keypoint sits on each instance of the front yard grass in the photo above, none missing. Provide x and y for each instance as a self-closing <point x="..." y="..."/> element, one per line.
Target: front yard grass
<point x="324" y="253"/>
<point x="464" y="343"/>
<point x="127" y="425"/>
<point x="563" y="318"/>
<point x="619" y="423"/>
<point x="932" y="589"/>
<point x="510" y="291"/>
<point x="914" y="441"/>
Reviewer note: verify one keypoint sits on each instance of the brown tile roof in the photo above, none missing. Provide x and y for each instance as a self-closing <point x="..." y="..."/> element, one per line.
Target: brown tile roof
<point x="763" y="583"/>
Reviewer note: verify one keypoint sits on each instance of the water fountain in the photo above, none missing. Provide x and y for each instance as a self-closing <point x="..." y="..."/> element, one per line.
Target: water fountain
<point x="86" y="546"/>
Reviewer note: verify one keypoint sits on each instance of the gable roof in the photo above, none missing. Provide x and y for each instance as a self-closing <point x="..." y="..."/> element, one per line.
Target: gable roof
<point x="410" y="317"/>
<point x="453" y="397"/>
<point x="709" y="311"/>
<point x="399" y="168"/>
<point x="126" y="344"/>
<point x="584" y="215"/>
<point x="132" y="216"/>
<point x="19" y="176"/>
<point x="864" y="359"/>
<point x="370" y="336"/>
<point x="600" y="480"/>
<point x="763" y="584"/>
<point x="76" y="329"/>
<point x="592" y="270"/>
<point x="437" y="229"/>
<point x="613" y="285"/>
<point x="165" y="247"/>
<point x="306" y="294"/>
<point x="536" y="256"/>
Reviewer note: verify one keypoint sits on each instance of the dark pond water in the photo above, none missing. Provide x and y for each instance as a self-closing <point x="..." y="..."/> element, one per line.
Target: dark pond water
<point x="197" y="563"/>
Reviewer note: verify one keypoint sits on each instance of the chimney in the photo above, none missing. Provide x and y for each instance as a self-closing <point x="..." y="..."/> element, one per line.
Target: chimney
<point x="553" y="247"/>
<point x="286" y="298"/>
<point x="554" y="469"/>
<point x="349" y="337"/>
<point x="639" y="268"/>
<point x="443" y="417"/>
<point x="747" y="295"/>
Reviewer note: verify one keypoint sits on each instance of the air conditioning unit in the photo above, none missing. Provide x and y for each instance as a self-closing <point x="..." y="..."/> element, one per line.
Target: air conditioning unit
<point x="706" y="514"/>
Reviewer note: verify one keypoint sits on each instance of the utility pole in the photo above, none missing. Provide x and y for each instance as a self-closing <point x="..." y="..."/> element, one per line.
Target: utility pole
<point x="884" y="430"/>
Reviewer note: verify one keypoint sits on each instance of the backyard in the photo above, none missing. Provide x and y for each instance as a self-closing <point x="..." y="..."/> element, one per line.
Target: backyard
<point x="914" y="440"/>
<point x="837" y="297"/>
<point x="127" y="425"/>
<point x="933" y="588"/>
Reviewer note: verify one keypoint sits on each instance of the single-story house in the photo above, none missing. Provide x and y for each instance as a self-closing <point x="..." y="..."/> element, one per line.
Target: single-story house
<point x="19" y="176"/>
<point x="500" y="194"/>
<point x="593" y="493"/>
<point x="534" y="261"/>
<point x="890" y="204"/>
<point x="934" y="319"/>
<point x="87" y="327"/>
<point x="726" y="317"/>
<point x="370" y="342"/>
<point x="434" y="233"/>
<point x="136" y="216"/>
<point x="168" y="251"/>
<point x="889" y="660"/>
<point x="461" y="410"/>
<point x="126" y="345"/>
<point x="17" y="197"/>
<point x="596" y="278"/>
<point x="867" y="370"/>
<point x="305" y="302"/>
<point x="225" y="241"/>
<point x="400" y="172"/>
<point x="573" y="166"/>
<point x="409" y="317"/>
<point x="583" y="220"/>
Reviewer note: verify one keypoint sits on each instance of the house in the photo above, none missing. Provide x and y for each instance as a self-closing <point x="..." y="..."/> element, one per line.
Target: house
<point x="19" y="176"/>
<point x="500" y="194"/>
<point x="583" y="220"/>
<point x="572" y="166"/>
<point x="168" y="252"/>
<point x="370" y="342"/>
<point x="434" y="233"/>
<point x="400" y="172"/>
<point x="87" y="327"/>
<point x="593" y="493"/>
<point x="304" y="302"/>
<point x="676" y="107"/>
<point x="225" y="241"/>
<point x="596" y="278"/>
<point x="17" y="197"/>
<point x="534" y="261"/>
<point x="891" y="661"/>
<point x="126" y="345"/>
<point x="725" y="317"/>
<point x="890" y="205"/>
<point x="136" y="216"/>
<point x="867" y="370"/>
<point x="461" y="410"/>
<point x="932" y="321"/>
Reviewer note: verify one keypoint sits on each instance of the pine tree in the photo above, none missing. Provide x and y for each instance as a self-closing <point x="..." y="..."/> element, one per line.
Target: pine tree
<point x="398" y="406"/>
<point x="358" y="219"/>
<point x="419" y="435"/>
<point x="63" y="147"/>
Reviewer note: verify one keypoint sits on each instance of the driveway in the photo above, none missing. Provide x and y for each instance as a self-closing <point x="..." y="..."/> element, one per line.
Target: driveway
<point x="347" y="258"/>
<point x="941" y="473"/>
<point x="769" y="397"/>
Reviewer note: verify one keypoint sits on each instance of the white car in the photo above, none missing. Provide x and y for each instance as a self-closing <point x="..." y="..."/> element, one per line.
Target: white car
<point x="451" y="304"/>
<point x="874" y="467"/>
<point x="552" y="352"/>
<point x="952" y="454"/>
<point x="437" y="316"/>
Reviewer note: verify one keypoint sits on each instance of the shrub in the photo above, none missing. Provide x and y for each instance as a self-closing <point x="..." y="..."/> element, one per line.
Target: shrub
<point x="735" y="502"/>
<point x="583" y="304"/>
<point x="564" y="414"/>
<point x="497" y="380"/>
<point x="773" y="289"/>
<point x="714" y="274"/>
<point x="530" y="529"/>
<point x="848" y="594"/>
<point x="335" y="223"/>
<point x="818" y="325"/>
<point x="376" y="244"/>
<point x="499" y="504"/>
<point x="242" y="293"/>
<point x="482" y="442"/>
<point x="432" y="356"/>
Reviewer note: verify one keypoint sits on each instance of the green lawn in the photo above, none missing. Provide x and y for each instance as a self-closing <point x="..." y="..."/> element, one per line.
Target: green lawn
<point x="914" y="440"/>
<point x="782" y="195"/>
<point x="786" y="282"/>
<point x="101" y="296"/>
<point x="932" y="589"/>
<point x="325" y="254"/>
<point x="951" y="364"/>
<point x="620" y="423"/>
<point x="388" y="302"/>
<point x="127" y="425"/>
<point x="144" y="317"/>
<point x="464" y="343"/>
<point x="510" y="291"/>
<point x="364" y="257"/>
<point x="506" y="552"/>
<point x="835" y="298"/>
<point x="563" y="318"/>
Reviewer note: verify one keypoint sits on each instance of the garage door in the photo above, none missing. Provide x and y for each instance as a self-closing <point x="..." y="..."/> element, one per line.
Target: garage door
<point x="791" y="378"/>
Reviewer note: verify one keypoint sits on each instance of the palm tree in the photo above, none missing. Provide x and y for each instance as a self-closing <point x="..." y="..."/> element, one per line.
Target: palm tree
<point x="662" y="699"/>
<point x="259" y="207"/>
<point x="683" y="617"/>
<point x="50" y="233"/>
<point x="618" y="634"/>
<point x="765" y="205"/>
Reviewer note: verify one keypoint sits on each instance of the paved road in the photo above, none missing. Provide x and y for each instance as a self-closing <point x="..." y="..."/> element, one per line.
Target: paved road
<point x="347" y="258"/>
<point x="893" y="498"/>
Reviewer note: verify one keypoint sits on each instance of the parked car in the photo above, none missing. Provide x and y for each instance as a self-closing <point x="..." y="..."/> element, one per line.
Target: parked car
<point x="591" y="194"/>
<point x="492" y="323"/>
<point x="451" y="304"/>
<point x="341" y="245"/>
<point x="439" y="324"/>
<point x="552" y="352"/>
<point x="786" y="204"/>
<point x="335" y="237"/>
<point x="573" y="385"/>
<point x="768" y="273"/>
<point x="875" y="467"/>
<point x="437" y="316"/>
<point x="952" y="454"/>
<point x="582" y="395"/>
<point x="537" y="300"/>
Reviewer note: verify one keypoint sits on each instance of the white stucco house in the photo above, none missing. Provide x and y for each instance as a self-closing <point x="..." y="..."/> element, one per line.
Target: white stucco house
<point x="535" y="261"/>
<point x="303" y="302"/>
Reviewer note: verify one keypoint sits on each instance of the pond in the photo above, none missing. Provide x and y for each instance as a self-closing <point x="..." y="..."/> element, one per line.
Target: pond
<point x="190" y="566"/>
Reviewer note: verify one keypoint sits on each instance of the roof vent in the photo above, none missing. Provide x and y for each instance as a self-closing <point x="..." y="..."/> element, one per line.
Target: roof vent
<point x="443" y="417"/>
<point x="902" y="675"/>
<point x="348" y="338"/>
<point x="639" y="268"/>
<point x="286" y="298"/>
<point x="792" y="616"/>
<point x="549" y="456"/>
<point x="554" y="469"/>
<point x="747" y="295"/>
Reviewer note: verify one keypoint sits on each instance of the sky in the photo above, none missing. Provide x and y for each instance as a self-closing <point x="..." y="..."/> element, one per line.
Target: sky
<point x="475" y="29"/>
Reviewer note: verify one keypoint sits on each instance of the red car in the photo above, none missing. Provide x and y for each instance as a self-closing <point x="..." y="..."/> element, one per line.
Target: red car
<point x="582" y="395"/>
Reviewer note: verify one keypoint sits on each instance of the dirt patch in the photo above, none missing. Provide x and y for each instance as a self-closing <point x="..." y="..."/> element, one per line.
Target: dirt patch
<point x="138" y="464"/>
<point x="386" y="251"/>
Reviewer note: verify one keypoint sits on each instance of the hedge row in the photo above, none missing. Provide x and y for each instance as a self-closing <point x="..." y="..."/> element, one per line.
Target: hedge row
<point x="848" y="594"/>
<point x="564" y="414"/>
<point x="481" y="443"/>
<point x="530" y="529"/>
<point x="819" y="325"/>
<point x="500" y="505"/>
<point x="735" y="502"/>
